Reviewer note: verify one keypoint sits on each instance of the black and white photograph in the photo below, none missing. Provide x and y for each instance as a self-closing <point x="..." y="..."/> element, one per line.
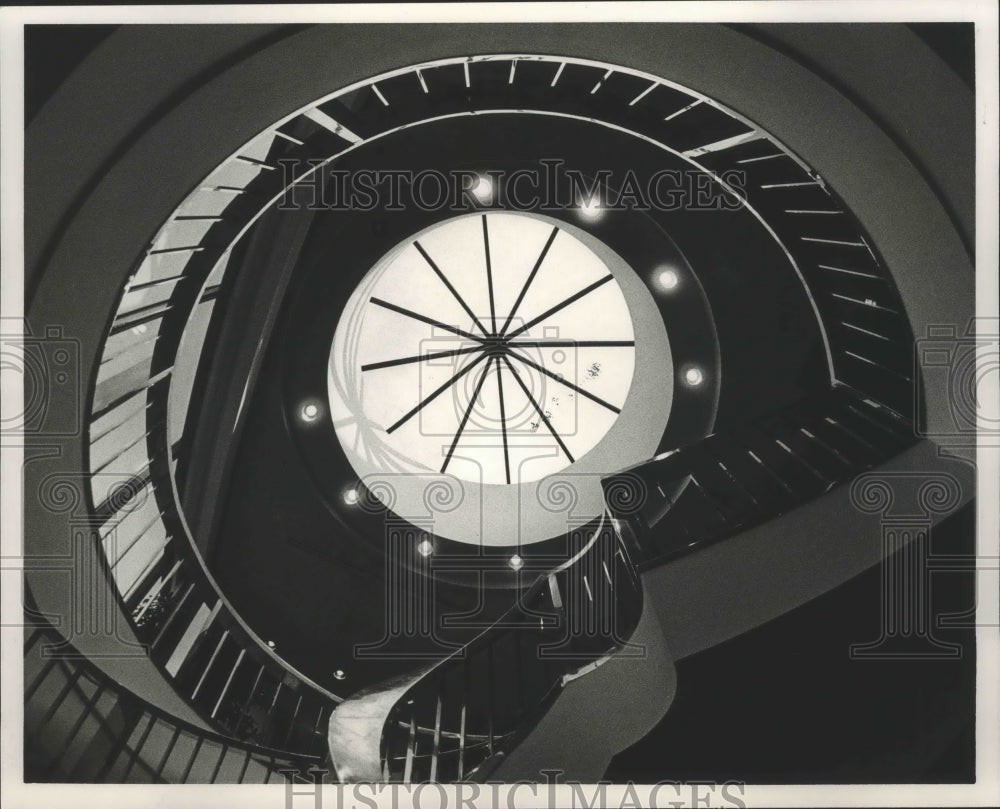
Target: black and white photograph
<point x="558" y="405"/>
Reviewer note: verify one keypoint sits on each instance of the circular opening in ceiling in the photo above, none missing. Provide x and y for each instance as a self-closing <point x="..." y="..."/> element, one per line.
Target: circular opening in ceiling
<point x="495" y="348"/>
<point x="565" y="378"/>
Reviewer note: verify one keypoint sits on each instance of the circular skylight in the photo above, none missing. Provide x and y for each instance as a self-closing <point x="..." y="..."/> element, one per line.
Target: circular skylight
<point x="497" y="348"/>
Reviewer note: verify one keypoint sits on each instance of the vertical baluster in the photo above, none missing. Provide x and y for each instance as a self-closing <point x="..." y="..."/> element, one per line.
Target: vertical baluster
<point x="246" y="703"/>
<point x="461" y="719"/>
<point x="711" y="502"/>
<point x="243" y="769"/>
<point x="191" y="759"/>
<point x="556" y="596"/>
<point x="211" y="660"/>
<point x="170" y="749"/>
<point x="411" y="744"/>
<point x="269" y="722"/>
<point x="229" y="682"/>
<point x="88" y="706"/>
<point x="218" y="764"/>
<point x="318" y="726"/>
<point x="173" y="616"/>
<point x="291" y="724"/>
<point x="61" y="696"/>
<point x="32" y="639"/>
<point x="436" y="747"/>
<point x="489" y="698"/>
<point x="121" y="739"/>
<point x="39" y="679"/>
<point x="130" y="593"/>
<point x="134" y="757"/>
<point x="516" y="635"/>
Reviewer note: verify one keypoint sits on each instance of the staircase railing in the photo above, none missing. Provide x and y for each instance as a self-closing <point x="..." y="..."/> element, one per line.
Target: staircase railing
<point x="84" y="727"/>
<point x="142" y="391"/>
<point x="455" y="720"/>
<point x="728" y="482"/>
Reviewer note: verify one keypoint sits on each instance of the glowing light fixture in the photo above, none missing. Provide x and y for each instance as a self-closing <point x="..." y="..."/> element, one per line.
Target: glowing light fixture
<point x="590" y="208"/>
<point x="483" y="189"/>
<point x="694" y="376"/>
<point x="667" y="279"/>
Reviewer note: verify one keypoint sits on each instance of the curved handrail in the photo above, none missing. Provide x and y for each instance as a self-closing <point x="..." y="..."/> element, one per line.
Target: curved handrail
<point x="201" y="644"/>
<point x="455" y="719"/>
<point x="726" y="483"/>
<point x="191" y="632"/>
<point x="412" y="728"/>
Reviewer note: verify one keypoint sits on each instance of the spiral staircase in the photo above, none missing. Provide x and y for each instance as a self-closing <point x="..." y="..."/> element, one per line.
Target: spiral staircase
<point x="147" y="244"/>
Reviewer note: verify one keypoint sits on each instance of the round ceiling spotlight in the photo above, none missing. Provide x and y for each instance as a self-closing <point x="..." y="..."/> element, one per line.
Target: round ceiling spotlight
<point x="351" y="496"/>
<point x="425" y="548"/>
<point x="591" y="208"/>
<point x="340" y="674"/>
<point x="515" y="562"/>
<point x="694" y="377"/>
<point x="309" y="412"/>
<point x="667" y="279"/>
<point x="483" y="189"/>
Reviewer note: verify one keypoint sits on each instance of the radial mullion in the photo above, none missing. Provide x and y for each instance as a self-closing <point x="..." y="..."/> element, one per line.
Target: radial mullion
<point x="560" y="306"/>
<point x="451" y="289"/>
<point x="424" y="319"/>
<point x="489" y="275"/>
<point x="567" y="343"/>
<point x="503" y="421"/>
<point x="538" y="409"/>
<point x="465" y="417"/>
<point x="374" y="366"/>
<point x="531" y="277"/>
<point x="436" y="393"/>
<point x="562" y="381"/>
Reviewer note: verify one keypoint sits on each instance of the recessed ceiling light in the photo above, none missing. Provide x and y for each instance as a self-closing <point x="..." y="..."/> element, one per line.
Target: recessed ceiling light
<point x="667" y="279"/>
<point x="309" y="411"/>
<point x="591" y="208"/>
<point x="425" y="548"/>
<point x="694" y="376"/>
<point x="340" y="674"/>
<point x="515" y="562"/>
<point x="483" y="189"/>
<point x="351" y="496"/>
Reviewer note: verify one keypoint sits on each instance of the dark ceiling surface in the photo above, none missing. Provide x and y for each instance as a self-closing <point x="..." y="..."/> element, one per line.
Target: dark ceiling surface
<point x="53" y="51"/>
